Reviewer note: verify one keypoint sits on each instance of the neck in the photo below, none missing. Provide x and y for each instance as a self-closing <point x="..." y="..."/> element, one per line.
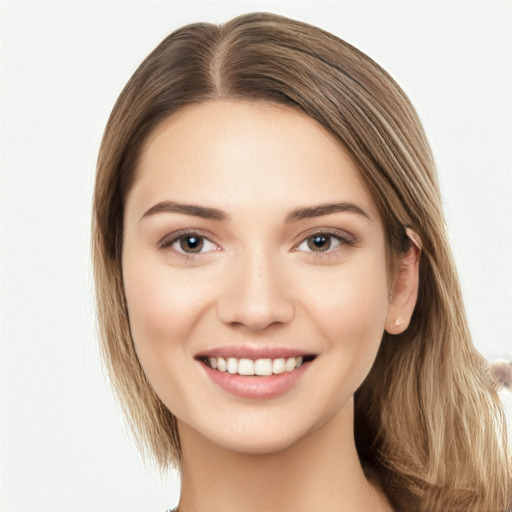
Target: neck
<point x="320" y="472"/>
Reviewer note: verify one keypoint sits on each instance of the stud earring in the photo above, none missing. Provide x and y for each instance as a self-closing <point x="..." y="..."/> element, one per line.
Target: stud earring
<point x="397" y="323"/>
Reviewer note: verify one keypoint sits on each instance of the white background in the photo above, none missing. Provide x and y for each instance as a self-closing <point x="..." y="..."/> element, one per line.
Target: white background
<point x="64" y="446"/>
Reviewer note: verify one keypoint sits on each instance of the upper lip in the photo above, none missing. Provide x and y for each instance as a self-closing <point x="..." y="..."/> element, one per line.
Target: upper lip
<point x="254" y="352"/>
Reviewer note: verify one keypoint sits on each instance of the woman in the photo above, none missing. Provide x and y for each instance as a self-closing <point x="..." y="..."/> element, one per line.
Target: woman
<point x="279" y="308"/>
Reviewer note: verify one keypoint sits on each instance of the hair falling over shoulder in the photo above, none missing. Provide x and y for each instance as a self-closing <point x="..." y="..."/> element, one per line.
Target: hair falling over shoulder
<point x="429" y="426"/>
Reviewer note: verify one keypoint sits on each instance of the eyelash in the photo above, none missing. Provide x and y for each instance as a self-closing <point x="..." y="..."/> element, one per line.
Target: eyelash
<point x="168" y="241"/>
<point x="343" y="239"/>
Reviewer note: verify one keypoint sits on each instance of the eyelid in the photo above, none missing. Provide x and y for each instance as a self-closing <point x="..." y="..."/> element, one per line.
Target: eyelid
<point x="344" y="238"/>
<point x="335" y="232"/>
<point x="168" y="240"/>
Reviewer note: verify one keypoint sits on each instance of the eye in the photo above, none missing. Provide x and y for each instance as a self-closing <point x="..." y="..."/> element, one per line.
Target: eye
<point x="188" y="243"/>
<point x="321" y="243"/>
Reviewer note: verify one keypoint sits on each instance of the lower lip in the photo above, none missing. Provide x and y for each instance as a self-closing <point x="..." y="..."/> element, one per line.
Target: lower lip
<point x="256" y="387"/>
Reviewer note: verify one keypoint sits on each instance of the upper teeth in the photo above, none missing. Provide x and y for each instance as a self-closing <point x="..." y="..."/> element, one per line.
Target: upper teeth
<point x="255" y="367"/>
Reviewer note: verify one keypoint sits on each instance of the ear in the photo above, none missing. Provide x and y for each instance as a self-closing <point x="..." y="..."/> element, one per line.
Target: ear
<point x="404" y="292"/>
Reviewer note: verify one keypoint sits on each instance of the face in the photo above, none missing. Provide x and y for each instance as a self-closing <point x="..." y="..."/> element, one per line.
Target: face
<point x="255" y="273"/>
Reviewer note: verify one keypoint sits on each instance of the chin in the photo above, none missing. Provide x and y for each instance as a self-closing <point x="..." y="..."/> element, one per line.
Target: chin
<point x="259" y="443"/>
<point x="255" y="434"/>
<point x="266" y="434"/>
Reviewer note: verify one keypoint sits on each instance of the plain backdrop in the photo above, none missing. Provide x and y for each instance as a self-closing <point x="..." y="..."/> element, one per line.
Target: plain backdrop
<point x="64" y="445"/>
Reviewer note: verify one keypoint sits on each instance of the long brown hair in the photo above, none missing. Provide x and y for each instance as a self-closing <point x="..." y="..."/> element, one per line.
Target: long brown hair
<point x="429" y="427"/>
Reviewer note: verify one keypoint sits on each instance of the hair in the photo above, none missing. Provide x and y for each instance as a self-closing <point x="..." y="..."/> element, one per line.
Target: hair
<point x="429" y="426"/>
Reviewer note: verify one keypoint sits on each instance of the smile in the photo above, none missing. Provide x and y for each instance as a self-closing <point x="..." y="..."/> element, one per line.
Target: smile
<point x="255" y="373"/>
<point x="261" y="367"/>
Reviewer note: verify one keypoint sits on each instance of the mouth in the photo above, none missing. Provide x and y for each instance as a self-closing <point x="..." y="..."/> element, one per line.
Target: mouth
<point x="260" y="367"/>
<point x="255" y="372"/>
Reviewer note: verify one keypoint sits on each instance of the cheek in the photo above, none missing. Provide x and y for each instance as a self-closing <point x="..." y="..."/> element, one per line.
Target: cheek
<point x="163" y="310"/>
<point x="354" y="299"/>
<point x="350" y="316"/>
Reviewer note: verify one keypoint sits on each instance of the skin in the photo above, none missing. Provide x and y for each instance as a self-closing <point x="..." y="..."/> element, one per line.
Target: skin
<point x="258" y="282"/>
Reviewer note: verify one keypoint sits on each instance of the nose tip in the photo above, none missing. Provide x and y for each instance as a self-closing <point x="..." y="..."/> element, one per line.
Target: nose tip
<point x="255" y="299"/>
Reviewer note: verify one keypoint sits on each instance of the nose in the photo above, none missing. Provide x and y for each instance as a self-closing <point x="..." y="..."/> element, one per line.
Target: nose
<point x="255" y="295"/>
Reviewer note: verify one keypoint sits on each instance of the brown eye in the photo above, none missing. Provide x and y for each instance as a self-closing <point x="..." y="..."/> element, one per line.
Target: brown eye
<point x="319" y="243"/>
<point x="323" y="242"/>
<point x="191" y="243"/>
<point x="188" y="244"/>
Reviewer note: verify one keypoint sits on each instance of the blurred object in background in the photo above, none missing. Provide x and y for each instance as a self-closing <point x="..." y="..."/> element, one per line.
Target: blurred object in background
<point x="501" y="371"/>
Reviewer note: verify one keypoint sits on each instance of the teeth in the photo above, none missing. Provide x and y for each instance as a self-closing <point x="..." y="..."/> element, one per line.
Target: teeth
<point x="232" y="365"/>
<point x="290" y="364"/>
<point x="245" y="367"/>
<point x="262" y="367"/>
<point x="221" y="363"/>
<point x="278" y="366"/>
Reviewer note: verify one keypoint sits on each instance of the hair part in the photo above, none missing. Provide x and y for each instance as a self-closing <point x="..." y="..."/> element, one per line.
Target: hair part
<point x="427" y="416"/>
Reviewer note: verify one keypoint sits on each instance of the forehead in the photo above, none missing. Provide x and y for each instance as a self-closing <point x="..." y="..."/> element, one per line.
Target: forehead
<point x="240" y="154"/>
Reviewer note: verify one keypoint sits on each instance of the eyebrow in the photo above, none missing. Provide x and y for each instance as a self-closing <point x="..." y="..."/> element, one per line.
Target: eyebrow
<point x="216" y="214"/>
<point x="324" y="209"/>
<point x="187" y="209"/>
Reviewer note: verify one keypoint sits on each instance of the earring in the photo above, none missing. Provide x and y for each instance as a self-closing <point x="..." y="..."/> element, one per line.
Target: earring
<point x="397" y="323"/>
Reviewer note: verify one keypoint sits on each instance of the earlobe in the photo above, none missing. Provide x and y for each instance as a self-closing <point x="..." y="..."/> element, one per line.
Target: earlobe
<point x="404" y="293"/>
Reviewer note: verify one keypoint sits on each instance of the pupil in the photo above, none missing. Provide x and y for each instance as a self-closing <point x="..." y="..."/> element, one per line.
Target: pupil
<point x="192" y="243"/>
<point x="319" y="243"/>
